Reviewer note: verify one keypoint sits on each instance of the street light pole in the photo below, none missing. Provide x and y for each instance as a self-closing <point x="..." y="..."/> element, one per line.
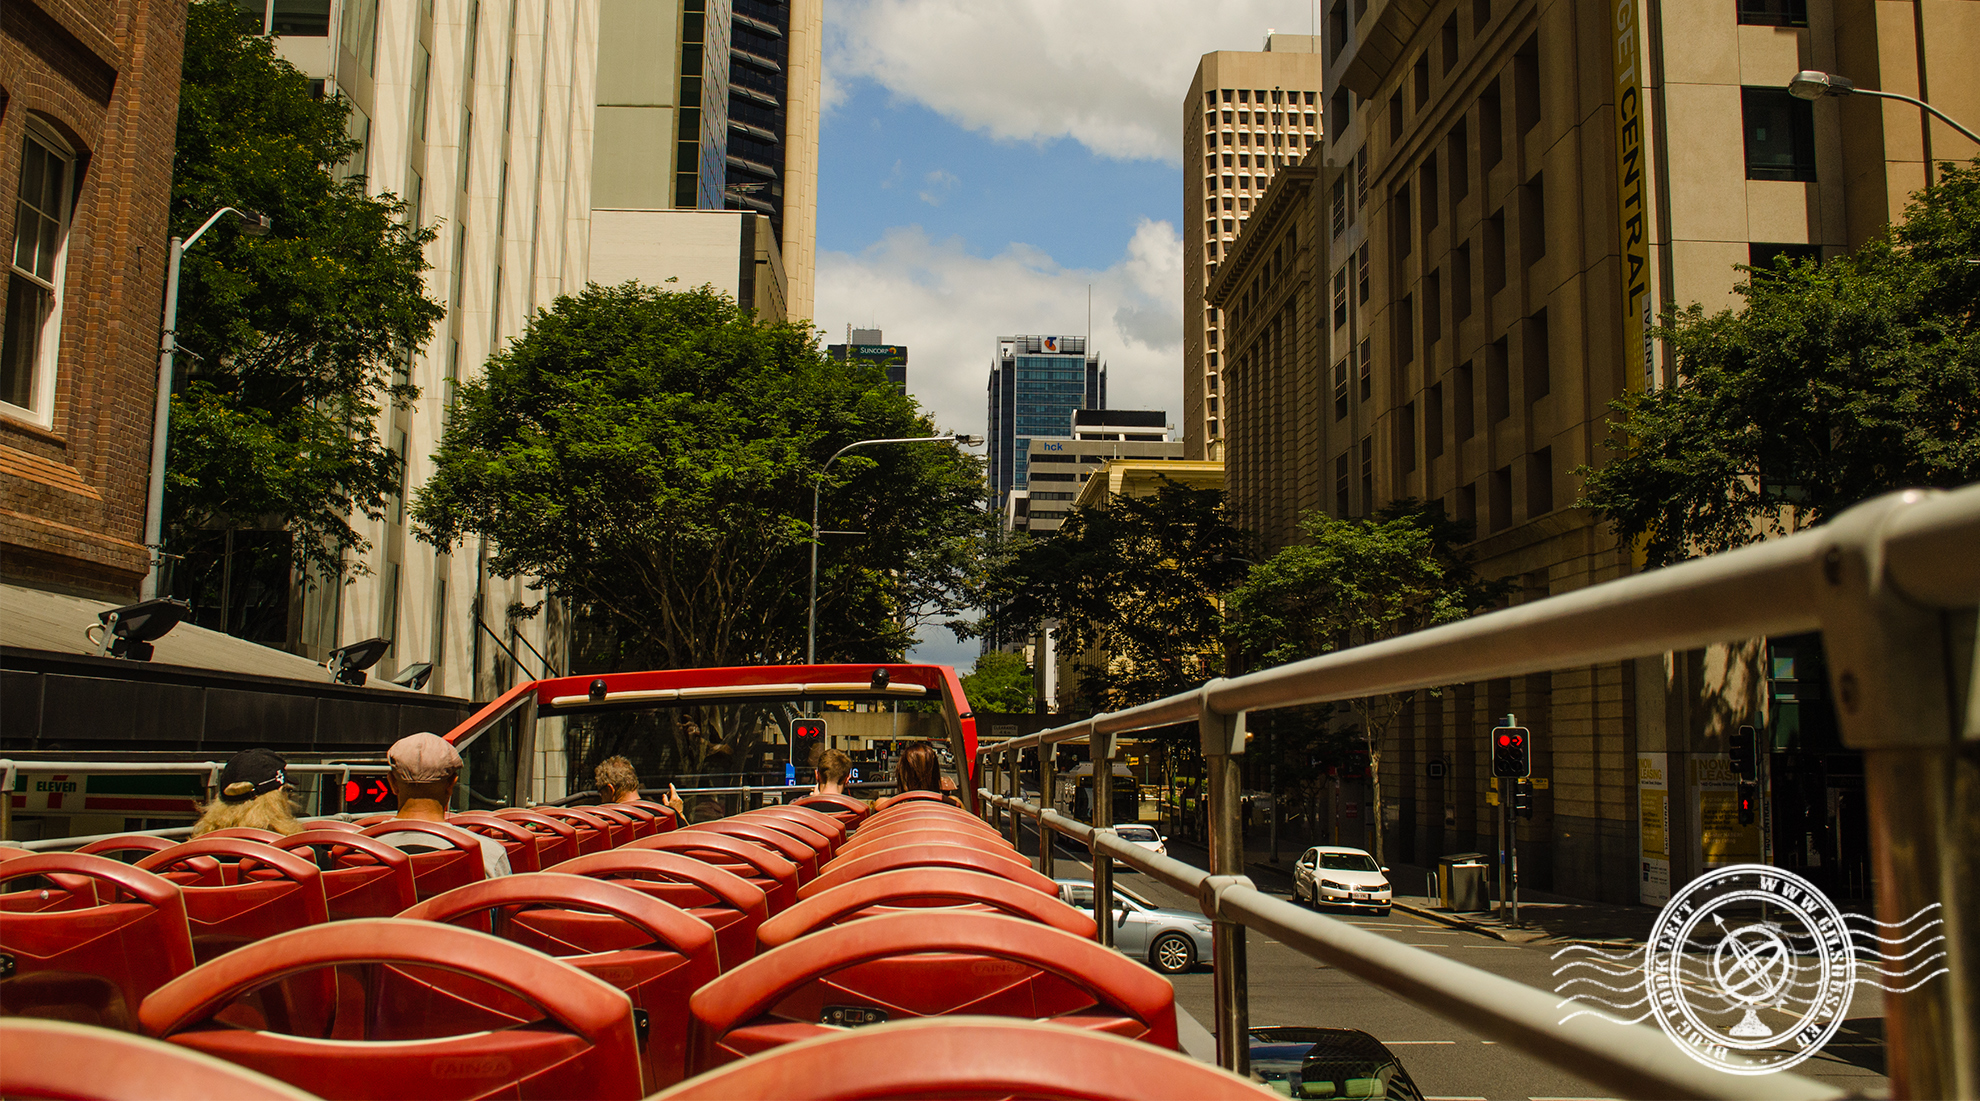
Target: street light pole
<point x="818" y="488"/>
<point x="161" y="416"/>
<point x="1814" y="84"/>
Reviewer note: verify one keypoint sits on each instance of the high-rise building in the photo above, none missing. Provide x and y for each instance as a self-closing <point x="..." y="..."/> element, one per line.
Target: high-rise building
<point x="710" y="105"/>
<point x="868" y="346"/>
<point x="1057" y="467"/>
<point x="1246" y="116"/>
<point x="1036" y="382"/>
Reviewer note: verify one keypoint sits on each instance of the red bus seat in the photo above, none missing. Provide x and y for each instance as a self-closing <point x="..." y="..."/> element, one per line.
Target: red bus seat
<point x="332" y="824"/>
<point x="525" y="850"/>
<point x="931" y="835"/>
<point x="916" y="811"/>
<point x="595" y="832"/>
<point x="454" y="860"/>
<point x="965" y="857"/>
<point x="274" y="891"/>
<point x="643" y="822"/>
<point x="60" y="1059"/>
<point x="59" y="892"/>
<point x="913" y="888"/>
<point x="926" y="964"/>
<point x="94" y="965"/>
<point x="833" y="829"/>
<point x="141" y="843"/>
<point x="369" y="821"/>
<point x="245" y="833"/>
<point x="909" y="798"/>
<point x="367" y="877"/>
<point x="556" y="839"/>
<point x="770" y="872"/>
<point x="426" y="1011"/>
<point x="667" y="818"/>
<point x="654" y="951"/>
<point x="848" y="810"/>
<point x="731" y="905"/>
<point x="783" y="844"/>
<point x="822" y="843"/>
<point x="963" y="1059"/>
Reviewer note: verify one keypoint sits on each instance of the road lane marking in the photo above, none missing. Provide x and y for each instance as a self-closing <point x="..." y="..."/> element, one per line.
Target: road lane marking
<point x="1445" y="1097"/>
<point x="1427" y="945"/>
<point x="1397" y="1043"/>
<point x="1495" y="947"/>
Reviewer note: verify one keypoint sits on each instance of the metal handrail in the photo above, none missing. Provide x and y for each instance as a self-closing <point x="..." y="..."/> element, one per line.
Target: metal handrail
<point x="1879" y="581"/>
<point x="1633" y="1059"/>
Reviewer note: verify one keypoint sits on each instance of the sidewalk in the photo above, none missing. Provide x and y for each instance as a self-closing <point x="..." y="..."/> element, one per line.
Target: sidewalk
<point x="1552" y="918"/>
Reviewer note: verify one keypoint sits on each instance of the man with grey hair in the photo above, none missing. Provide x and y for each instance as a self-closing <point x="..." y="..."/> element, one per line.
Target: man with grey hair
<point x="425" y="768"/>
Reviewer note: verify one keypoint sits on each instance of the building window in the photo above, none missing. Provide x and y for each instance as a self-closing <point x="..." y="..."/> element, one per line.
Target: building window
<point x="1340" y="206"/>
<point x="1540" y="483"/>
<point x="1406" y="438"/>
<point x="1450" y="43"/>
<point x="1341" y="391"/>
<point x="28" y="346"/>
<point x="1462" y="398"/>
<point x="1367" y="474"/>
<point x="1361" y="274"/>
<point x="285" y="18"/>
<point x="1773" y="13"/>
<point x="1340" y="297"/>
<point x="1342" y="506"/>
<point x="1780" y="135"/>
<point x="1433" y="421"/>
<point x="1422" y="80"/>
<point x="1491" y="127"/>
<point x="1396" y="117"/>
<point x="1763" y="255"/>
<point x="1365" y="367"/>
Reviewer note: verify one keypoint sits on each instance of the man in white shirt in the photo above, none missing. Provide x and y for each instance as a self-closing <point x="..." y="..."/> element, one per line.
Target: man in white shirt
<point x="425" y="768"/>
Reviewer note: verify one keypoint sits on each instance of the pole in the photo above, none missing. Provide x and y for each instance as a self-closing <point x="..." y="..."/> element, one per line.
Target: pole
<point x="811" y="617"/>
<point x="161" y="419"/>
<point x="1224" y="786"/>
<point x="1512" y="852"/>
<point x="1103" y="819"/>
<point x="1045" y="802"/>
<point x="1928" y="108"/>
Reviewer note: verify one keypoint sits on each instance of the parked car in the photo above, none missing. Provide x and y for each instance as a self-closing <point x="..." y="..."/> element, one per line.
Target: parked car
<point x="1328" y="1062"/>
<point x="1336" y="875"/>
<point x="1144" y="836"/>
<point x="1172" y="941"/>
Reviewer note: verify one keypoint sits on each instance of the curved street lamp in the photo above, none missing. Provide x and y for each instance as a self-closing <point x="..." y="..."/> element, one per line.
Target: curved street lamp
<point x="818" y="487"/>
<point x="1813" y="84"/>
<point x="254" y="224"/>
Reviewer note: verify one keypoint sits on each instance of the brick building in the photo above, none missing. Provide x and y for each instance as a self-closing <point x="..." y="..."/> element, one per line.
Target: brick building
<point x="89" y="99"/>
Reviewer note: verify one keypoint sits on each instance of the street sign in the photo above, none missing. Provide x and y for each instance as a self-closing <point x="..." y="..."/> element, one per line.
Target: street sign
<point x="790" y="774"/>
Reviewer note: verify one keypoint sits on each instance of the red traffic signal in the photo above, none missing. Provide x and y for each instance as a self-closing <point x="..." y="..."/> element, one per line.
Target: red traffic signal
<point x="1510" y="756"/>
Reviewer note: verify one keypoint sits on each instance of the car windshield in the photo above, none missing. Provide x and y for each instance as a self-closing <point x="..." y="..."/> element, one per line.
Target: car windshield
<point x="1135" y="833"/>
<point x="1348" y="862"/>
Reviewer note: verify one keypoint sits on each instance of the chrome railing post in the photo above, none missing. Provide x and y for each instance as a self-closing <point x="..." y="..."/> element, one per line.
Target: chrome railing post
<point x="1045" y="785"/>
<point x="1100" y="750"/>
<point x="1015" y="757"/>
<point x="1223" y="742"/>
<point x="1902" y="670"/>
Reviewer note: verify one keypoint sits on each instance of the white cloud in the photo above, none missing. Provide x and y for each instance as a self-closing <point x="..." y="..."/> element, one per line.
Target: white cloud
<point x="949" y="307"/>
<point x="1109" y="74"/>
<point x="938" y="185"/>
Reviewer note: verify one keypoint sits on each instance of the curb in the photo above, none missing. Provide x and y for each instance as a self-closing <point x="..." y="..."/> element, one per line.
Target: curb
<point x="1443" y="918"/>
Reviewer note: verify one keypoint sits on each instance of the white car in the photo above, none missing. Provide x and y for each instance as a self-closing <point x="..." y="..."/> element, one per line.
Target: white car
<point x="1335" y="875"/>
<point x="1144" y="836"/>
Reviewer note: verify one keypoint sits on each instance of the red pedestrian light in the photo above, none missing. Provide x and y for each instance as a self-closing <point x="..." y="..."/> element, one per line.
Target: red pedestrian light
<point x="1505" y="739"/>
<point x="350" y="791"/>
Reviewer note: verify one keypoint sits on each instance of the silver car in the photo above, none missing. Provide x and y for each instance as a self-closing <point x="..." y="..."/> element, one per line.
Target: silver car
<point x="1172" y="941"/>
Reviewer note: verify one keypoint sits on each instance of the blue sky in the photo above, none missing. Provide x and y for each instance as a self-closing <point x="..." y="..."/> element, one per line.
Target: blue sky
<point x="985" y="167"/>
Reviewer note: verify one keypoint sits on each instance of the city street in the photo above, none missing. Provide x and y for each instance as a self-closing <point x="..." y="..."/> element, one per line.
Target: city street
<point x="1445" y="1059"/>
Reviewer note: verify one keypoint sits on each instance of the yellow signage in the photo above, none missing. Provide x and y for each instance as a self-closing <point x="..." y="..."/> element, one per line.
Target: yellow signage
<point x="1632" y="212"/>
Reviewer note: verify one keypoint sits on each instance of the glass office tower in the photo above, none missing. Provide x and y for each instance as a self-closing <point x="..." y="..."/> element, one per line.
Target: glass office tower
<point x="1035" y="385"/>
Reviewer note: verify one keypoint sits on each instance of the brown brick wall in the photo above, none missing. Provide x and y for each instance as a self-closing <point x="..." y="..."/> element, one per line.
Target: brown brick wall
<point x="105" y="75"/>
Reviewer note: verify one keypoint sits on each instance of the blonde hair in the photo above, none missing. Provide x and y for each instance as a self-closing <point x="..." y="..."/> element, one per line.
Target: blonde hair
<point x="614" y="777"/>
<point x="832" y="762"/>
<point x="274" y="810"/>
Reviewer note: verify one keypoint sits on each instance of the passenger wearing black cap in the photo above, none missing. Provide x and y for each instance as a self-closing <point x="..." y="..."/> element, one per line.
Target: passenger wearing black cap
<point x="254" y="792"/>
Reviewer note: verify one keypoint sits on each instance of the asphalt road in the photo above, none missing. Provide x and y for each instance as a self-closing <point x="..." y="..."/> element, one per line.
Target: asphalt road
<point x="1445" y="1059"/>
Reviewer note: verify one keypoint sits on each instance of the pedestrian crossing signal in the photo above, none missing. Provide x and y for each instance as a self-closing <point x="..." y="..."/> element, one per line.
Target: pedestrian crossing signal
<point x="805" y="735"/>
<point x="1512" y="754"/>
<point x="1749" y="798"/>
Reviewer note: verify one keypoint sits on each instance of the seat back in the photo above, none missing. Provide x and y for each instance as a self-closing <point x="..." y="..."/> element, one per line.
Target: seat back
<point x="366" y="877"/>
<point x="45" y="893"/>
<point x="910" y="797"/>
<point x="525" y="850"/>
<point x="941" y="812"/>
<point x="654" y="951"/>
<point x="643" y="822"/>
<point x="731" y="905"/>
<point x="818" y="821"/>
<point x="453" y="861"/>
<point x="273" y="891"/>
<point x="426" y="1011"/>
<point x="930" y="835"/>
<point x="595" y="833"/>
<point x="966" y="857"/>
<point x="770" y="872"/>
<point x="245" y="833"/>
<point x="817" y="841"/>
<point x="556" y="839"/>
<point x="663" y="813"/>
<point x="921" y="888"/>
<point x="925" y="964"/>
<point x="118" y="848"/>
<point x="848" y="810"/>
<point x="783" y="844"/>
<point x="332" y="824"/>
<point x="61" y="1059"/>
<point x="98" y="963"/>
<point x="965" y="1058"/>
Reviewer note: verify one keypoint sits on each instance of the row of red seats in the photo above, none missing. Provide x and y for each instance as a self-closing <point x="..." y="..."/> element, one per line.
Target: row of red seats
<point x="682" y="951"/>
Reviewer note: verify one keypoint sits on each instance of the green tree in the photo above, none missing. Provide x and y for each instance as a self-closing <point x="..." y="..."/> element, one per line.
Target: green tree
<point x="651" y="456"/>
<point x="1000" y="683"/>
<point x="1352" y="583"/>
<point x="1837" y="381"/>
<point x="290" y="341"/>
<point x="1134" y="586"/>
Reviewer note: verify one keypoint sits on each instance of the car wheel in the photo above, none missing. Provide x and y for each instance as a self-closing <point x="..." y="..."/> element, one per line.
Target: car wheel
<point x="1172" y="954"/>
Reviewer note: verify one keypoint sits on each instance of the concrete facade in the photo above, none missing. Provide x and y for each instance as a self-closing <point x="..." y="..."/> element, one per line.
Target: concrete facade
<point x="1245" y="116"/>
<point x="89" y="95"/>
<point x="733" y="251"/>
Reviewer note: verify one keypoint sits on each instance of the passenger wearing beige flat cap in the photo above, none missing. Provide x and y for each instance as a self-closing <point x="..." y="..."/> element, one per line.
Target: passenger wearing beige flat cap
<point x="425" y="768"/>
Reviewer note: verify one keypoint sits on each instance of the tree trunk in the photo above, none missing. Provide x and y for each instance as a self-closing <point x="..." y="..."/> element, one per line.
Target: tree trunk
<point x="1375" y="814"/>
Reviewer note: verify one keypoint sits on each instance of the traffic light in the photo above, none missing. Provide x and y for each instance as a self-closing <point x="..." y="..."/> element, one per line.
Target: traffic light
<point x="1522" y="800"/>
<point x="1512" y="752"/>
<point x="805" y="734"/>
<point x="1749" y="800"/>
<point x="1744" y="763"/>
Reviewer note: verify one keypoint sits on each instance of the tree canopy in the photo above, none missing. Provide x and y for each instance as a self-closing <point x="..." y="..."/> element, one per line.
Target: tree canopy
<point x="652" y="454"/>
<point x="1837" y="381"/>
<point x="1136" y="584"/>
<point x="289" y="341"/>
<point x="1000" y="683"/>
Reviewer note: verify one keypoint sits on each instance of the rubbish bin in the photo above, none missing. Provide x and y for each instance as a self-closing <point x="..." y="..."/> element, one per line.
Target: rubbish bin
<point x="1461" y="882"/>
